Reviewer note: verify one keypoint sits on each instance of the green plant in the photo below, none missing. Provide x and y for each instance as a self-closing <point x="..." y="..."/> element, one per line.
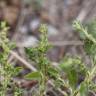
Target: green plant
<point x="75" y="68"/>
<point x="87" y="84"/>
<point x="38" y="55"/>
<point x="7" y="71"/>
<point x="72" y="69"/>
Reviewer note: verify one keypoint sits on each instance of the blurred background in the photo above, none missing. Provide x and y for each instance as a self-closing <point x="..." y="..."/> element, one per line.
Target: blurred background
<point x="25" y="16"/>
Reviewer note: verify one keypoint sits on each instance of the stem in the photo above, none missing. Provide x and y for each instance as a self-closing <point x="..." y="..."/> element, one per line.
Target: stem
<point x="43" y="78"/>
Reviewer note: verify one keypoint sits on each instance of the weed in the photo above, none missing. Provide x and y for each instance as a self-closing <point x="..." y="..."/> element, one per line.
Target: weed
<point x="72" y="68"/>
<point x="7" y="71"/>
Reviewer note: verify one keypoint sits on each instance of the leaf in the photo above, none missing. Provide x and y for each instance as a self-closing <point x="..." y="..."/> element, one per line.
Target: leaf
<point x="72" y="68"/>
<point x="90" y="47"/>
<point x="53" y="71"/>
<point x="67" y="63"/>
<point x="58" y="83"/>
<point x="83" y="89"/>
<point x="33" y="75"/>
<point x="17" y="70"/>
<point x="32" y="54"/>
<point x="73" y="78"/>
<point x="3" y="24"/>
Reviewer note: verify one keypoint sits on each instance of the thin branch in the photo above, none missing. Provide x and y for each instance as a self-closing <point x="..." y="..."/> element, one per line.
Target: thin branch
<point x="66" y="43"/>
<point x="22" y="60"/>
<point x="86" y="10"/>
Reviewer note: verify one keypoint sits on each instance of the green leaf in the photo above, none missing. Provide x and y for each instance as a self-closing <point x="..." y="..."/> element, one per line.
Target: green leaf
<point x="33" y="54"/>
<point x="53" y="71"/>
<point x="73" y="78"/>
<point x="83" y="89"/>
<point x="3" y="24"/>
<point x="90" y="47"/>
<point x="33" y="75"/>
<point x="58" y="82"/>
<point x="43" y="28"/>
<point x="66" y="64"/>
<point x="17" y="70"/>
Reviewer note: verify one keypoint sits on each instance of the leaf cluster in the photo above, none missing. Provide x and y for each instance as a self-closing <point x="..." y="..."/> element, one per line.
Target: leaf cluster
<point x="7" y="71"/>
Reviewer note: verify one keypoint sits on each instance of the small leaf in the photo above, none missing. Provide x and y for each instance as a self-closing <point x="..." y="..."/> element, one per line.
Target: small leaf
<point x="90" y="47"/>
<point x="3" y="24"/>
<point x="53" y="71"/>
<point x="83" y="89"/>
<point x="66" y="63"/>
<point x="73" y="78"/>
<point x="43" y="28"/>
<point x="58" y="83"/>
<point x="33" y="75"/>
<point x="17" y="70"/>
